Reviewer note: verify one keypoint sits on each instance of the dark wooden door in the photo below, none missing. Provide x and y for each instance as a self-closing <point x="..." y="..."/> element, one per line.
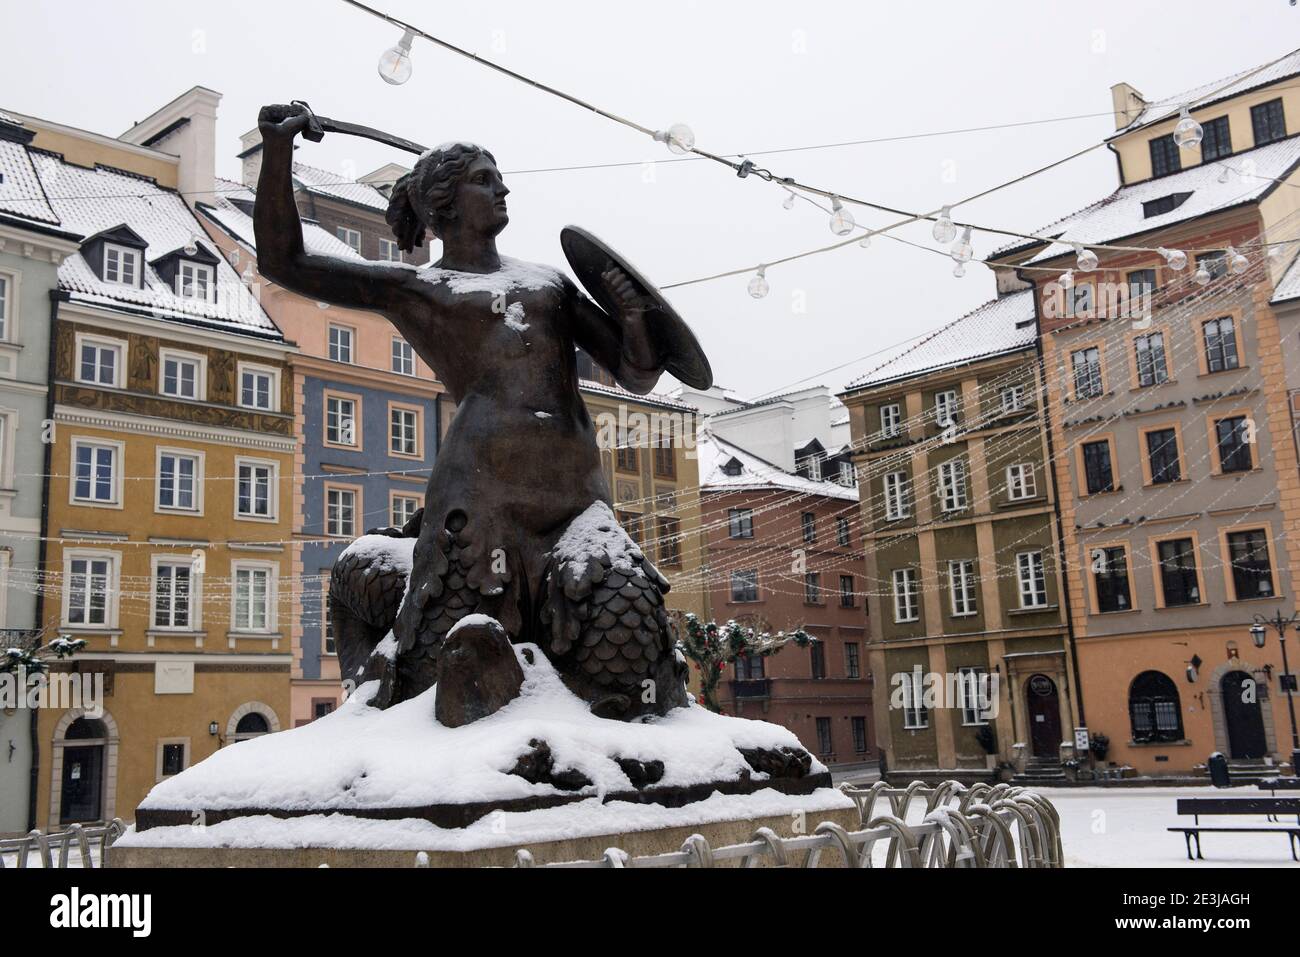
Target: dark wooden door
<point x="1243" y="716"/>
<point x="1044" y="709"/>
<point x="83" y="784"/>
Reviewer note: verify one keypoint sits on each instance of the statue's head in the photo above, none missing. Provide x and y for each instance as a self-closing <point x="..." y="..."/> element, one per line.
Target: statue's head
<point x="455" y="183"/>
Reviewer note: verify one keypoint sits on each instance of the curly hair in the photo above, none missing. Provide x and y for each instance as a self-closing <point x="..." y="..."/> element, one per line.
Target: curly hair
<point x="423" y="198"/>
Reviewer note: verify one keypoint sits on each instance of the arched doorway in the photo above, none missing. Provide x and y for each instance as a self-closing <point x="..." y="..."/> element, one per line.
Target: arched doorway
<point x="1243" y="715"/>
<point x="81" y="792"/>
<point x="1043" y="706"/>
<point x="250" y="720"/>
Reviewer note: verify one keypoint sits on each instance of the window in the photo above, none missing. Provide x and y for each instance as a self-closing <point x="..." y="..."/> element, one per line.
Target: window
<point x="1268" y="122"/>
<point x="121" y="265"/>
<point x="1020" y="482"/>
<point x="5" y="296"/>
<point x="973" y="696"/>
<point x="812" y="588"/>
<point x="403" y="431"/>
<point x="1141" y="287"/>
<point x="320" y="709"/>
<point x="99" y="362"/>
<point x="403" y="508"/>
<point x="1078" y="300"/>
<point x="1110" y="575"/>
<point x="340" y="343"/>
<point x="631" y="522"/>
<point x="349" y="236"/>
<point x="1220" y="344"/>
<point x="254" y="490"/>
<point x="1013" y="398"/>
<point x="915" y="715"/>
<point x="1164" y="156"/>
<point x="1086" y="364"/>
<point x="859" y="726"/>
<point x="670" y="542"/>
<point x="952" y="485"/>
<point x="1163" y="204"/>
<point x="891" y="420"/>
<point x="171" y="595"/>
<point x="1162" y="456"/>
<point x="852" y="660"/>
<point x="87" y="590"/>
<point x="750" y="668"/>
<point x="665" y="465"/>
<point x="1178" y="578"/>
<point x="178" y="481"/>
<point x="1098" y="474"/>
<point x="817" y="659"/>
<point x="259" y="388"/>
<point x="1252" y="572"/>
<point x="813" y="464"/>
<point x="95" y="472"/>
<point x="182" y="376"/>
<point x="1154" y="708"/>
<point x="843" y="536"/>
<point x="904" y="585"/>
<point x="808" y="521"/>
<point x="1233" y="438"/>
<point x="744" y="585"/>
<point x="625" y="456"/>
<point x="1033" y="581"/>
<point x="740" y="522"/>
<point x="403" y="357"/>
<point x="961" y="587"/>
<point x="329" y="643"/>
<point x="847" y="476"/>
<point x="195" y="281"/>
<point x="340" y="511"/>
<point x="389" y="250"/>
<point x="1216" y="139"/>
<point x="945" y="408"/>
<point x="252" y="599"/>
<point x="1150" y="354"/>
<point x="847" y="596"/>
<point x="824" y="736"/>
<point x="733" y="467"/>
<point x="172" y="760"/>
<point x="896" y="496"/>
<point x="1215" y="263"/>
<point x="250" y="726"/>
<point x="340" y="421"/>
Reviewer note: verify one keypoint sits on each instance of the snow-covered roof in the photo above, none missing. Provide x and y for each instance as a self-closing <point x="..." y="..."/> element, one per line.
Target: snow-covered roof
<point x="324" y="183"/>
<point x="1289" y="286"/>
<point x="20" y="188"/>
<point x="713" y="453"/>
<point x="90" y="201"/>
<point x="239" y="225"/>
<point x="1120" y="214"/>
<point x="998" y="327"/>
<point x="1215" y="91"/>
<point x="618" y="392"/>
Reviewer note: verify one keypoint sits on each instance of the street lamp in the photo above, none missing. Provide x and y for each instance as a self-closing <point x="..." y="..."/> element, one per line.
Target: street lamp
<point x="1258" y="634"/>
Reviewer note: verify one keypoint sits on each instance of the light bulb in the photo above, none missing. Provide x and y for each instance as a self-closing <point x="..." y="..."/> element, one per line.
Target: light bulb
<point x="788" y="202"/>
<point x="679" y="138"/>
<point x="1175" y="259"/>
<point x="1223" y="173"/>
<point x="1237" y="263"/>
<point x="234" y="257"/>
<point x="758" y="287"/>
<point x="1085" y="259"/>
<point x="841" y="218"/>
<point x="1275" y="252"/>
<point x="962" y="251"/>
<point x="1188" y="132"/>
<point x="322" y="306"/>
<point x="1067" y="279"/>
<point x="192" y="246"/>
<point x="959" y="270"/>
<point x="944" y="231"/>
<point x="1202" y="276"/>
<point x="865" y="242"/>
<point x="248" y="274"/>
<point x="395" y="62"/>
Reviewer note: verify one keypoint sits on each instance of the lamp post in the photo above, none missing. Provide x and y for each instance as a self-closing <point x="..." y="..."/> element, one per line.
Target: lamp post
<point x="1258" y="634"/>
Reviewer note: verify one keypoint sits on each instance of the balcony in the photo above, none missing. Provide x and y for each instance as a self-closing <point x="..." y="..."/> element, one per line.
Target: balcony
<point x="751" y="689"/>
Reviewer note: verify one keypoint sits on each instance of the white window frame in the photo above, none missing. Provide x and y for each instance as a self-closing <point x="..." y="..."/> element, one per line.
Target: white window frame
<point x="112" y="591"/>
<point x="330" y="507"/>
<point x="177" y="453"/>
<point x="916" y="716"/>
<point x="8" y="438"/>
<point x="397" y="415"/>
<point x="891" y="420"/>
<point x="9" y="290"/>
<point x="401" y="350"/>
<point x="1025" y="562"/>
<point x="905" y="592"/>
<point x="341" y="429"/>
<point x="195" y="598"/>
<point x="200" y="363"/>
<point x="272" y="571"/>
<point x="330" y="350"/>
<point x="125" y="254"/>
<point x="273" y="497"/>
<point x="119" y="453"/>
<point x="347" y="236"/>
<point x="389" y="251"/>
<point x="961" y="588"/>
<point x="209" y="274"/>
<point x="1012" y="399"/>
<point x="969" y="698"/>
<point x="253" y="369"/>
<point x="393" y="499"/>
<point x="118" y="346"/>
<point x="945" y="407"/>
<point x="952" y="486"/>
<point x="1021" y="482"/>
<point x="897" y="496"/>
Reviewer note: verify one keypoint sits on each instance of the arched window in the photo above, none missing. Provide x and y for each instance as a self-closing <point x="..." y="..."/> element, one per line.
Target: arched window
<point x="252" y="723"/>
<point x="251" y="720"/>
<point x="85" y="728"/>
<point x="1154" y="708"/>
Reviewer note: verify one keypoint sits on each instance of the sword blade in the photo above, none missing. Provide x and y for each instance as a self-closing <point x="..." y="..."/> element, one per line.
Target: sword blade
<point x="379" y="136"/>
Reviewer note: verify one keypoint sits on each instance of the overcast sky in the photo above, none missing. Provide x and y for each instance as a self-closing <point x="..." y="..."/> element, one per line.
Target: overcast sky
<point x="757" y="76"/>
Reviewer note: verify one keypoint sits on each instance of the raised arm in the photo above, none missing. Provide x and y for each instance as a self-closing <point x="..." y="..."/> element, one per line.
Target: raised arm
<point x="621" y="343"/>
<point x="281" y="255"/>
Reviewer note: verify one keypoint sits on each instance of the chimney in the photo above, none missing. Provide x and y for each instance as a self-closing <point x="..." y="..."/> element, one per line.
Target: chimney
<point x="1127" y="103"/>
<point x="250" y="156"/>
<point x="186" y="127"/>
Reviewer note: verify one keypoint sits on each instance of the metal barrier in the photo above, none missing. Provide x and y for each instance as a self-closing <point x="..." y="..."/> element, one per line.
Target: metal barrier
<point x="86" y="840"/>
<point x="970" y="827"/>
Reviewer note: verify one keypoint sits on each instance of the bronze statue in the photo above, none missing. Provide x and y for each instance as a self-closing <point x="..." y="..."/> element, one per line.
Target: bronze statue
<point x="516" y="524"/>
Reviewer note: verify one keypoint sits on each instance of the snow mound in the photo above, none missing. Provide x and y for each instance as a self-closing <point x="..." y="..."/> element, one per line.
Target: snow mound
<point x="596" y="535"/>
<point x="391" y="553"/>
<point x="514" y="274"/>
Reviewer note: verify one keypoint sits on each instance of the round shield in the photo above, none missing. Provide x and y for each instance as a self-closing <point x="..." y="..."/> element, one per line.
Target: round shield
<point x="683" y="356"/>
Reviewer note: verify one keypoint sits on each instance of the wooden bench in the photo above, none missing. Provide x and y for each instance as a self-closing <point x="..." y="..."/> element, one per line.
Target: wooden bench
<point x="1270" y="807"/>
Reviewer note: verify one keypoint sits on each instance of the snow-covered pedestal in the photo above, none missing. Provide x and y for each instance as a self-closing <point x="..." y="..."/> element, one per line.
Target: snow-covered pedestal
<point x="365" y="786"/>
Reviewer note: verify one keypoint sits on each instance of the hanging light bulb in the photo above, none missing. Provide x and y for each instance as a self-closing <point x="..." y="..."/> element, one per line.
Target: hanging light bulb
<point x="1223" y="172"/>
<point x="962" y="251"/>
<point x="248" y="275"/>
<point x="1066" y="280"/>
<point x="841" y="218"/>
<point x="1237" y="263"/>
<point x="1175" y="259"/>
<point x="1188" y="132"/>
<point x="234" y="257"/>
<point x="1084" y="258"/>
<point x="959" y="270"/>
<point x="192" y="246"/>
<point x="679" y="138"/>
<point x="395" y="62"/>
<point x="788" y="202"/>
<point x="865" y="242"/>
<point x="322" y="306"/>
<point x="1202" y="276"/>
<point x="758" y="287"/>
<point x="944" y="231"/>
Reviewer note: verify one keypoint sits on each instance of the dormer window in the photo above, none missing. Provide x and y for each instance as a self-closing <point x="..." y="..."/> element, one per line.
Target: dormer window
<point x="733" y="467"/>
<point x="195" y="281"/>
<point x="1165" y="204"/>
<point x="121" y="265"/>
<point x="190" y="275"/>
